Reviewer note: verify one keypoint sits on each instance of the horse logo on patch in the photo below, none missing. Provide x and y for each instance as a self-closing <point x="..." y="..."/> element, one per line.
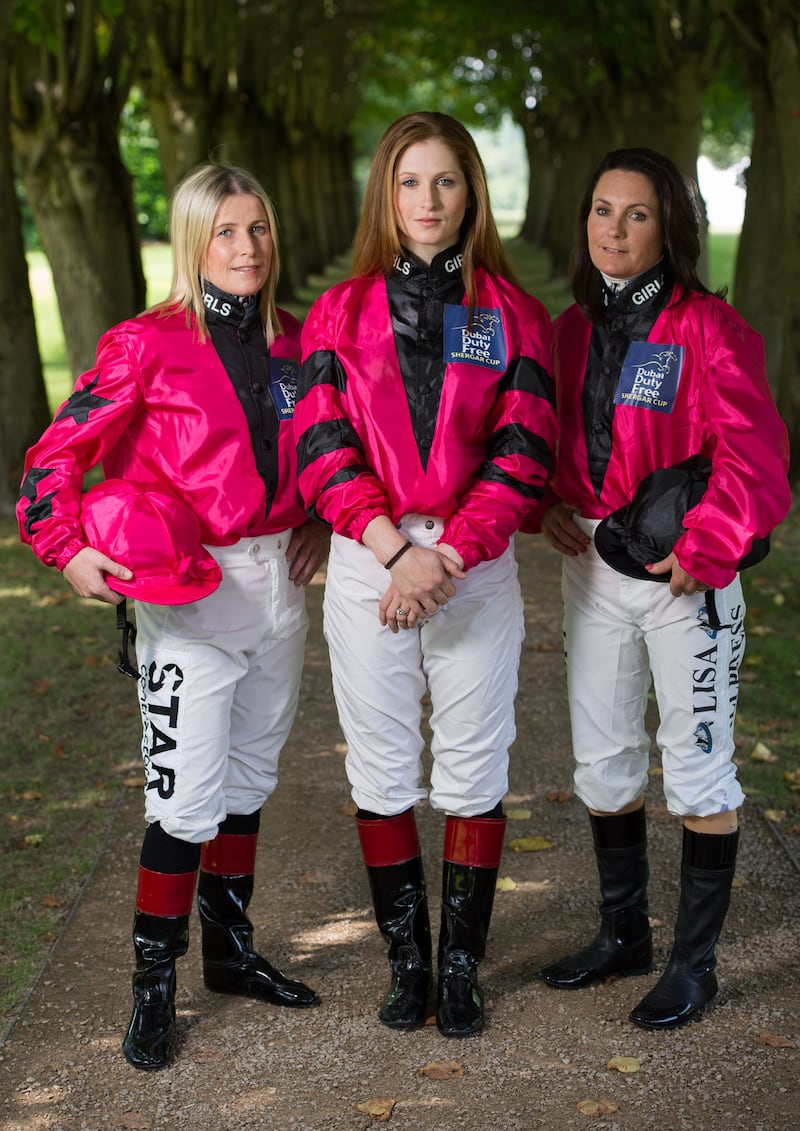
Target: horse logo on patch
<point x="283" y="385"/>
<point x="649" y="376"/>
<point x="482" y="342"/>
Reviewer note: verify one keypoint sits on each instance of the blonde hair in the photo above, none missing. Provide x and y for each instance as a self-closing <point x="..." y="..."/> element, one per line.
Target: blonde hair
<point x="377" y="240"/>
<point x="195" y="204"/>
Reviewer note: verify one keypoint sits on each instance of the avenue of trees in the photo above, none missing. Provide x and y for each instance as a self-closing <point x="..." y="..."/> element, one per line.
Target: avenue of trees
<point x="287" y="88"/>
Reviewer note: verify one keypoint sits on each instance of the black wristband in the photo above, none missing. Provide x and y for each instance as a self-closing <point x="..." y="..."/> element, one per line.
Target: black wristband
<point x="396" y="557"/>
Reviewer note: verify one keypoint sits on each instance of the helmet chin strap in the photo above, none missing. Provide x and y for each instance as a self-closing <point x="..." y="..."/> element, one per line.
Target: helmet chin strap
<point x="128" y="630"/>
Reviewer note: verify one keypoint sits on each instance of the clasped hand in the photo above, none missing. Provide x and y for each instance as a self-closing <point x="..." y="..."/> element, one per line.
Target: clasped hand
<point x="422" y="581"/>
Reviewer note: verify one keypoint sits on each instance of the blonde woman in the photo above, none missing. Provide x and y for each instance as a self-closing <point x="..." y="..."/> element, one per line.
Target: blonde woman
<point x="425" y="426"/>
<point x="189" y="405"/>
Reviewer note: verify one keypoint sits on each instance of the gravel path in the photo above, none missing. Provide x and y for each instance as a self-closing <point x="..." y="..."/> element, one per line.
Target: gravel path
<point x="246" y="1066"/>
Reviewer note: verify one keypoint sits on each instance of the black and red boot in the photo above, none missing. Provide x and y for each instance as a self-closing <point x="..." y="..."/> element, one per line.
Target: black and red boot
<point x="472" y="850"/>
<point x="390" y="848"/>
<point x="623" y="944"/>
<point x="224" y="890"/>
<point x="160" y="936"/>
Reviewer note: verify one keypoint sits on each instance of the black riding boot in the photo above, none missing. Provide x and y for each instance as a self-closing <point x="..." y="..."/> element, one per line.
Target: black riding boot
<point x="689" y="983"/>
<point x="623" y="945"/>
<point x="472" y="850"/>
<point x="401" y="910"/>
<point x="230" y="964"/>
<point x="158" y="940"/>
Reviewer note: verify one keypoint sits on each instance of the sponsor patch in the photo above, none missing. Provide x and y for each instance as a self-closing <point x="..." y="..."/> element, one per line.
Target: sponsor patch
<point x="482" y="343"/>
<point x="283" y="385"/>
<point x="649" y="377"/>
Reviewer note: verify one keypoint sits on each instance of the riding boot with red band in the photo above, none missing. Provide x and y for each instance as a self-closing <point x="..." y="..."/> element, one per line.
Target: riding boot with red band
<point x="390" y="847"/>
<point x="472" y="850"/>
<point x="160" y="936"/>
<point x="230" y="963"/>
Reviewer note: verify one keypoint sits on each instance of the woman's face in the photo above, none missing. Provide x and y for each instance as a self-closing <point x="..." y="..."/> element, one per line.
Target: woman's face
<point x="240" y="251"/>
<point x="430" y="198"/>
<point x="624" y="225"/>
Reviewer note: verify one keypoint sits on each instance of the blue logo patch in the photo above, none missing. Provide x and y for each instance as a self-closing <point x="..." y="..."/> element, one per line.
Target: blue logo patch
<point x="283" y="385"/>
<point x="649" y="377"/>
<point x="482" y="343"/>
<point x="703" y="739"/>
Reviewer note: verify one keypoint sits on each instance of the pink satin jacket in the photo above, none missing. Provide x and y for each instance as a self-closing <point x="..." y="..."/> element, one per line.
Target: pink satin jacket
<point x="721" y="407"/>
<point x="495" y="428"/>
<point x="158" y="408"/>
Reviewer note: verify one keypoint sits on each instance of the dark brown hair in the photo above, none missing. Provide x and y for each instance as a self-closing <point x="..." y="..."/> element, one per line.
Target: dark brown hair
<point x="679" y="213"/>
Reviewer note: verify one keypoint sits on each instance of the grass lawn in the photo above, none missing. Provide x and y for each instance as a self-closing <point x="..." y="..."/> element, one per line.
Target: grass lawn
<point x="72" y="732"/>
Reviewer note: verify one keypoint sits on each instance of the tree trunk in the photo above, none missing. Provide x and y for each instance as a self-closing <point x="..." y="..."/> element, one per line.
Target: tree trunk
<point x="68" y="87"/>
<point x="80" y="196"/>
<point x="766" y="35"/>
<point x="23" y="398"/>
<point x="759" y="277"/>
<point x="783" y="68"/>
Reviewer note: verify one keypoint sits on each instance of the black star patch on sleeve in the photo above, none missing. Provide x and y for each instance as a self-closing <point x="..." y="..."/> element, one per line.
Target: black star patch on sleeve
<point x="30" y="484"/>
<point x="81" y="403"/>
<point x="37" y="512"/>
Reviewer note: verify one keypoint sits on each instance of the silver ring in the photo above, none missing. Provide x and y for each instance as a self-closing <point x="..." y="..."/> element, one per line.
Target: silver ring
<point x="401" y="613"/>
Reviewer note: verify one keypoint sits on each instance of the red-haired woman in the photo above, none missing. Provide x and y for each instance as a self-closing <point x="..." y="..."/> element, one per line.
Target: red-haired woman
<point x="426" y="427"/>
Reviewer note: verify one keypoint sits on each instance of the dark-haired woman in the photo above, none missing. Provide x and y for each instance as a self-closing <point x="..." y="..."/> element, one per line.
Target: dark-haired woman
<point x="426" y="423"/>
<point x="653" y="371"/>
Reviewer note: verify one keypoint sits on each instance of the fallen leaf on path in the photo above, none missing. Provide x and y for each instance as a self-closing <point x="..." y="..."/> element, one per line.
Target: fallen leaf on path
<point x="625" y="1064"/>
<point x="597" y="1107"/>
<point x="518" y="814"/>
<point x="380" y="1110"/>
<point x="135" y="1121"/>
<point x="772" y="1041"/>
<point x="205" y="1054"/>
<point x="560" y="796"/>
<point x="49" y="601"/>
<point x="443" y="1070"/>
<point x="505" y="883"/>
<point x="530" y="844"/>
<point x="775" y="815"/>
<point x="762" y="753"/>
<point x="348" y="809"/>
<point x="315" y="877"/>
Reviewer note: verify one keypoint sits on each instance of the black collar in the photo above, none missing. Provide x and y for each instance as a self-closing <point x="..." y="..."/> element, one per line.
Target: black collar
<point x="446" y="265"/>
<point x="224" y="309"/>
<point x="641" y="293"/>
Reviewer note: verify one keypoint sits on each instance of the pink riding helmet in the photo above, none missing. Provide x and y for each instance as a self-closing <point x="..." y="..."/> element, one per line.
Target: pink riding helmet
<point x="155" y="535"/>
